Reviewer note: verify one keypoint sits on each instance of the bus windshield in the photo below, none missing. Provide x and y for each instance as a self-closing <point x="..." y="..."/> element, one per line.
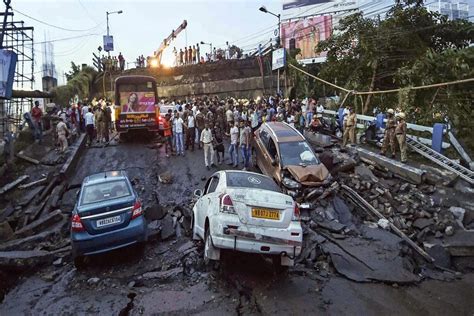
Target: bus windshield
<point x="139" y="97"/>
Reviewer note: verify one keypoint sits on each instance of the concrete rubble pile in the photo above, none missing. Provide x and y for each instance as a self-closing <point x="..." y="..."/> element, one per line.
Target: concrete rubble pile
<point x="437" y="215"/>
<point x="34" y="208"/>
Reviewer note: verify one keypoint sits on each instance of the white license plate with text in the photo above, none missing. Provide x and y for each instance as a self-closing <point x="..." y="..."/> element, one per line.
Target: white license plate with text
<point x="108" y="221"/>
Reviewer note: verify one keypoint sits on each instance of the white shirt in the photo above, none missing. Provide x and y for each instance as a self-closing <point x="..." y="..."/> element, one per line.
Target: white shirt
<point x="206" y="136"/>
<point x="190" y="121"/>
<point x="178" y="125"/>
<point x="85" y="110"/>
<point x="320" y="109"/>
<point x="291" y="120"/>
<point x="89" y="118"/>
<point x="234" y="135"/>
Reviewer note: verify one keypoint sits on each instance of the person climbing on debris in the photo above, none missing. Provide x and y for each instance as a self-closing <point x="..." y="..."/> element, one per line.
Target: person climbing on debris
<point x="349" y="127"/>
<point x="389" y="137"/>
<point x="401" y="134"/>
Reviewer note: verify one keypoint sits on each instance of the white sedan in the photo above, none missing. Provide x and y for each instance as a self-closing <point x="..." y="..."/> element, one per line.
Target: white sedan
<point x="246" y="211"/>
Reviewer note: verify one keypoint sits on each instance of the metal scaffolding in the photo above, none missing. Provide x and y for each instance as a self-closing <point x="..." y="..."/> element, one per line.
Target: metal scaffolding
<point x="18" y="38"/>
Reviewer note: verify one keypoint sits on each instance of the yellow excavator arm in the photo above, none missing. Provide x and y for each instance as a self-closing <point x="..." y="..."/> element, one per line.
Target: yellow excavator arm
<point x="167" y="41"/>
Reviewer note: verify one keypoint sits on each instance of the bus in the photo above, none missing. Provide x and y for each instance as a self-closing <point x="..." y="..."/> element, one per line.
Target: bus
<point x="136" y="104"/>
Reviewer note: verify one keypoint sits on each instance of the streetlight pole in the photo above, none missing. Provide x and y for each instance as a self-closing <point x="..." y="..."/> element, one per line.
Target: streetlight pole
<point x="264" y="10"/>
<point x="107" y="13"/>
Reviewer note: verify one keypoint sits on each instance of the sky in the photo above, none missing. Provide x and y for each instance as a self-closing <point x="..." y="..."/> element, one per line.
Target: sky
<point x="76" y="27"/>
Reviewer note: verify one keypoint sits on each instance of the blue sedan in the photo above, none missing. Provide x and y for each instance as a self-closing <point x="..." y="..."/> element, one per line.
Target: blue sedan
<point x="108" y="215"/>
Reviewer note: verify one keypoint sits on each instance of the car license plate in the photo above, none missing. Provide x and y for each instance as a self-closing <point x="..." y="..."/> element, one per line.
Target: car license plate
<point x="265" y="213"/>
<point x="108" y="221"/>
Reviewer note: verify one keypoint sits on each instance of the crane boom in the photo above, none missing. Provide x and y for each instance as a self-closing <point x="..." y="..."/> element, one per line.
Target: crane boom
<point x="167" y="41"/>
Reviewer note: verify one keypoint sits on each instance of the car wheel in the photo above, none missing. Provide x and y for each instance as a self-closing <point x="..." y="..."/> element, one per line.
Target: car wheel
<point x="80" y="262"/>
<point x="210" y="252"/>
<point x="362" y="139"/>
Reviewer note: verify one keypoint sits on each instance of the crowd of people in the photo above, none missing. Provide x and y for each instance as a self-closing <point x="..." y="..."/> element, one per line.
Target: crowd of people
<point x="192" y="55"/>
<point x="206" y="122"/>
<point x="113" y="63"/>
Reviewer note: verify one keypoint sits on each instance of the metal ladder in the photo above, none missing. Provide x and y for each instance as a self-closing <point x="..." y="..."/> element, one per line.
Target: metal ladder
<point x="441" y="160"/>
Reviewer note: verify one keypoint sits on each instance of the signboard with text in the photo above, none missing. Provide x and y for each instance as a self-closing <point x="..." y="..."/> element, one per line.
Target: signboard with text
<point x="278" y="58"/>
<point x="108" y="43"/>
<point x="7" y="72"/>
<point x="306" y="34"/>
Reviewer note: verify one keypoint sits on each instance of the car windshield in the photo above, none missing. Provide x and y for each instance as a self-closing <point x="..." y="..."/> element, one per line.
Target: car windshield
<point x="104" y="191"/>
<point x="297" y="154"/>
<point x="251" y="181"/>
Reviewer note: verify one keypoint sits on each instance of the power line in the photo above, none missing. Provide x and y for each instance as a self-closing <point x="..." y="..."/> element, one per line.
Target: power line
<point x="55" y="26"/>
<point x="64" y="39"/>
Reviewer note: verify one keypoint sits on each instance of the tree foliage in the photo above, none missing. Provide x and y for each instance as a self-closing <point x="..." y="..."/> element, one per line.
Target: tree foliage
<point x="79" y="83"/>
<point x="409" y="47"/>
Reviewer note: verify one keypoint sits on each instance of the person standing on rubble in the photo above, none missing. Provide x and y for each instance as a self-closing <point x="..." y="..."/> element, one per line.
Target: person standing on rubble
<point x="401" y="134"/>
<point x="37" y="116"/>
<point x="207" y="144"/>
<point x="349" y="128"/>
<point x="89" y="120"/>
<point x="389" y="136"/>
<point x="63" y="132"/>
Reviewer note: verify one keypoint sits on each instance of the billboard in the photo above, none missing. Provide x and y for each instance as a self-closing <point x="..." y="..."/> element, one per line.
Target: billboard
<point x="133" y="102"/>
<point x="7" y="72"/>
<point x="108" y="43"/>
<point x="278" y="58"/>
<point x="305" y="34"/>
<point x="292" y="4"/>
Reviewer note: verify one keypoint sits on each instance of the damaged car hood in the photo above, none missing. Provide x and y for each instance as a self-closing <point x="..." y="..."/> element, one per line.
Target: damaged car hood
<point x="312" y="175"/>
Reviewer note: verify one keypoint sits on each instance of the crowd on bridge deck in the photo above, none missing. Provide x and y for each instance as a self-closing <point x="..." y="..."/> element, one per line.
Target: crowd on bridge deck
<point x="192" y="55"/>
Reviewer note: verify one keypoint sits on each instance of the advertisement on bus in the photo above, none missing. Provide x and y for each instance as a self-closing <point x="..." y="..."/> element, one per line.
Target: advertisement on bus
<point x="135" y="104"/>
<point x="305" y="34"/>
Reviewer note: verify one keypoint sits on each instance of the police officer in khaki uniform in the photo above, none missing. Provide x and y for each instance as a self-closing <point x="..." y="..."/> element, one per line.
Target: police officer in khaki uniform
<point x="389" y="137"/>
<point x="401" y="134"/>
<point x="349" y="128"/>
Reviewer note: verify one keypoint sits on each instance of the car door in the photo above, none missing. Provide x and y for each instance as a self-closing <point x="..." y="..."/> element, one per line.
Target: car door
<point x="203" y="205"/>
<point x="262" y="152"/>
<point x="272" y="151"/>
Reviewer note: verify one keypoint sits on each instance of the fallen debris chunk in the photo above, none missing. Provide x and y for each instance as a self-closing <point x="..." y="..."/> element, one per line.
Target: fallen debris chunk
<point x="29" y="258"/>
<point x="31" y="240"/>
<point x="166" y="177"/>
<point x="372" y="211"/>
<point x="13" y="184"/>
<point x="167" y="227"/>
<point x="40" y="224"/>
<point x="29" y="196"/>
<point x="404" y="171"/>
<point x="28" y="185"/>
<point x="29" y="159"/>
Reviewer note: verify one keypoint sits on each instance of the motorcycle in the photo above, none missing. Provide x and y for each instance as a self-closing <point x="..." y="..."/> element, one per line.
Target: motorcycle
<point x="372" y="134"/>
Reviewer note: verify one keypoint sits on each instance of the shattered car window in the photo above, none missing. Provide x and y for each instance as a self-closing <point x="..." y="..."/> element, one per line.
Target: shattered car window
<point x="104" y="191"/>
<point x="297" y="154"/>
<point x="251" y="181"/>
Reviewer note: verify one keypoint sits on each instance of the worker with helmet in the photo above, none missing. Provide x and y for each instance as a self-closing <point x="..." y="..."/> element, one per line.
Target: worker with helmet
<point x="389" y="136"/>
<point x="401" y="135"/>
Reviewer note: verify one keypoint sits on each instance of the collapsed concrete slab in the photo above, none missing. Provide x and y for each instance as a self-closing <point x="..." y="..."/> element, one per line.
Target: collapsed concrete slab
<point x="404" y="171"/>
<point x="40" y="224"/>
<point x="28" y="258"/>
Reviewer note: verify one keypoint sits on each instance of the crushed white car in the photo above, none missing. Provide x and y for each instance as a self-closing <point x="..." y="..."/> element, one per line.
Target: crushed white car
<point x="246" y="211"/>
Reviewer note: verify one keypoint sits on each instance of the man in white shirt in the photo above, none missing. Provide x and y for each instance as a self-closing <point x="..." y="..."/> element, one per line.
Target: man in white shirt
<point x="90" y="122"/>
<point x="230" y="119"/>
<point x="206" y="140"/>
<point x="178" y="129"/>
<point x="320" y="109"/>
<point x="245" y="143"/>
<point x="190" y="133"/>
<point x="233" y="148"/>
